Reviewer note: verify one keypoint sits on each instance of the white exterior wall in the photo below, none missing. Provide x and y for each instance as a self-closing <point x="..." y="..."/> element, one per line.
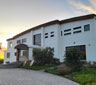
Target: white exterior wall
<point x="58" y="42"/>
<point x="87" y="38"/>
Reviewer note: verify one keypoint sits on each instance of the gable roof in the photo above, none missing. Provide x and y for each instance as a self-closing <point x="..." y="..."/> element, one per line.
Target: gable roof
<point x="85" y="17"/>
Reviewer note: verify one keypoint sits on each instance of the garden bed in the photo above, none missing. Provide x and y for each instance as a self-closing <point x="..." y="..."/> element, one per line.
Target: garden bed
<point x="87" y="75"/>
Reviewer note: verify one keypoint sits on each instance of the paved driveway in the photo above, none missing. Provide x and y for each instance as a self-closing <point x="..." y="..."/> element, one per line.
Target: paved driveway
<point x="29" y="77"/>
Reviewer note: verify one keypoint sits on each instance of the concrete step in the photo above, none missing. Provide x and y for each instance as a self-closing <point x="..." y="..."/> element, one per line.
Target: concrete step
<point x="11" y="65"/>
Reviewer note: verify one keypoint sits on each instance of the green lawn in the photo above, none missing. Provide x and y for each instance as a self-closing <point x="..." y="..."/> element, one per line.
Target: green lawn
<point x="87" y="76"/>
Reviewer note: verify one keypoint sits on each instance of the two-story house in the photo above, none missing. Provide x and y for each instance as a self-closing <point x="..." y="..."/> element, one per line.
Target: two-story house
<point x="78" y="32"/>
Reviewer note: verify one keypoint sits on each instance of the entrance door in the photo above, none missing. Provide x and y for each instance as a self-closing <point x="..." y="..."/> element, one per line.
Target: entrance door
<point x="81" y="48"/>
<point x="23" y="55"/>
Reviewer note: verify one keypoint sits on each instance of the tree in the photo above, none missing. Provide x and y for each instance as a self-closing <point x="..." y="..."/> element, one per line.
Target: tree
<point x="43" y="56"/>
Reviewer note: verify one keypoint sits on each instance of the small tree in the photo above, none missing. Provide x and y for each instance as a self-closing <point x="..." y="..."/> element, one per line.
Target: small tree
<point x="43" y="56"/>
<point x="72" y="58"/>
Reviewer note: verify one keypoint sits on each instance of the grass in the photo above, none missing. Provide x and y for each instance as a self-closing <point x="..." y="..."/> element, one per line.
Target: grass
<point x="87" y="75"/>
<point x="52" y="71"/>
<point x="39" y="67"/>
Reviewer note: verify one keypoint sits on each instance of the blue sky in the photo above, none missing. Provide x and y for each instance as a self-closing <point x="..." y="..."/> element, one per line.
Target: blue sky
<point x="19" y="15"/>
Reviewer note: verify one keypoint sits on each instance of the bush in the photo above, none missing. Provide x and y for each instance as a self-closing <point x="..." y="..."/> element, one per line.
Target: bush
<point x="43" y="56"/>
<point x="64" y="69"/>
<point x="72" y="58"/>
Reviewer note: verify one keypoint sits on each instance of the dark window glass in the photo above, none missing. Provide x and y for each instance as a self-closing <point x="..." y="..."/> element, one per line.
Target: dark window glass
<point x="77" y="28"/>
<point x="52" y="32"/>
<point x="46" y="33"/>
<point x="87" y="27"/>
<point x="51" y="35"/>
<point x="67" y="30"/>
<point x="15" y="53"/>
<point x="61" y="33"/>
<point x="46" y="36"/>
<point x="68" y="33"/>
<point x="77" y="32"/>
<point x="23" y="40"/>
<point x="37" y="39"/>
<point x="81" y="48"/>
<point x="8" y="55"/>
<point x="18" y="41"/>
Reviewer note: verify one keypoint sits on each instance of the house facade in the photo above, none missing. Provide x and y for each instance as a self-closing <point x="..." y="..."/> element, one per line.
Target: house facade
<point x="78" y="32"/>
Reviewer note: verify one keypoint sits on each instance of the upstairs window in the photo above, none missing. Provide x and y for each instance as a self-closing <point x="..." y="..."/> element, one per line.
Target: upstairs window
<point x="18" y="41"/>
<point x="10" y="44"/>
<point x="37" y="39"/>
<point x="52" y="34"/>
<point x="46" y="35"/>
<point x="77" y="28"/>
<point x="23" y="40"/>
<point x="87" y="27"/>
<point x="61" y="33"/>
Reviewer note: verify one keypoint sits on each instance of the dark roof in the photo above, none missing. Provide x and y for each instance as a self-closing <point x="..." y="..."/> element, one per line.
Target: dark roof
<point x="85" y="17"/>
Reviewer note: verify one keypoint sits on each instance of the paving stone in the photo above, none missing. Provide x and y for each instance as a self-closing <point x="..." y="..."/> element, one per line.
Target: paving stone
<point x="29" y="77"/>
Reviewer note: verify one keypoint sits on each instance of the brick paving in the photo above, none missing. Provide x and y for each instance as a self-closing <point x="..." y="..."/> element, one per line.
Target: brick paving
<point x="29" y="77"/>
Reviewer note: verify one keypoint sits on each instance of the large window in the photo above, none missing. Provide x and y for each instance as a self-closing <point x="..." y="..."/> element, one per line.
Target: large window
<point x="37" y="39"/>
<point x="81" y="48"/>
<point x="87" y="27"/>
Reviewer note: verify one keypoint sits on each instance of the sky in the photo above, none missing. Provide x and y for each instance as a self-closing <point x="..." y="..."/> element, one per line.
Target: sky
<point x="19" y="15"/>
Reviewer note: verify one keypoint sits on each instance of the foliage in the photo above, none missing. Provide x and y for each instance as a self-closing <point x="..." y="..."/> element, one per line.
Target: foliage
<point x="64" y="69"/>
<point x="43" y="56"/>
<point x="53" y="71"/>
<point x="72" y="58"/>
<point x="87" y="75"/>
<point x="39" y="67"/>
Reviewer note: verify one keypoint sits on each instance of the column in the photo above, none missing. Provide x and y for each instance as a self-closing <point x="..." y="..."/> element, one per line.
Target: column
<point x="30" y="53"/>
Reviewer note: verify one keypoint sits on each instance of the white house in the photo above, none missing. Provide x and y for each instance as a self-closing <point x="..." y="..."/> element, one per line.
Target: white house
<point x="78" y="32"/>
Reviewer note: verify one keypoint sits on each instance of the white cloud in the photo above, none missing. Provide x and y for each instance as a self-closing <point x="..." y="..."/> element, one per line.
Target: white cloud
<point x="79" y="5"/>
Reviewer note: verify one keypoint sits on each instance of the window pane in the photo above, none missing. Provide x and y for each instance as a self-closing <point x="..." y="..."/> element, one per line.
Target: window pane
<point x="37" y="39"/>
<point x="87" y="27"/>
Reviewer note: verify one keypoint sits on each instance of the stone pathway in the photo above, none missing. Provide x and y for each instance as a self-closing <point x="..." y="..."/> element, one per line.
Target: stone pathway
<point x="29" y="77"/>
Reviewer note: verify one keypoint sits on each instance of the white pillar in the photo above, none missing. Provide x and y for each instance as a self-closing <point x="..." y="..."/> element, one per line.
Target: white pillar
<point x="42" y="37"/>
<point x="30" y="53"/>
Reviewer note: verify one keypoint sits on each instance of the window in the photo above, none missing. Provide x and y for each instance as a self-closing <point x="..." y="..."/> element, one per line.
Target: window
<point x="37" y="39"/>
<point x="10" y="44"/>
<point x="23" y="40"/>
<point x="77" y="28"/>
<point x="25" y="53"/>
<point x="15" y="53"/>
<point x="67" y="30"/>
<point x="18" y="41"/>
<point x="46" y="35"/>
<point x="52" y="34"/>
<point x="81" y="48"/>
<point x="67" y="33"/>
<point x="87" y="27"/>
<point x="61" y="33"/>
<point x="8" y="55"/>
<point x="77" y="32"/>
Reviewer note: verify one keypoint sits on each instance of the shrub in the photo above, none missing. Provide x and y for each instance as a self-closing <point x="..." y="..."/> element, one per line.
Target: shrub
<point x="72" y="58"/>
<point x="64" y="69"/>
<point x="43" y="56"/>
